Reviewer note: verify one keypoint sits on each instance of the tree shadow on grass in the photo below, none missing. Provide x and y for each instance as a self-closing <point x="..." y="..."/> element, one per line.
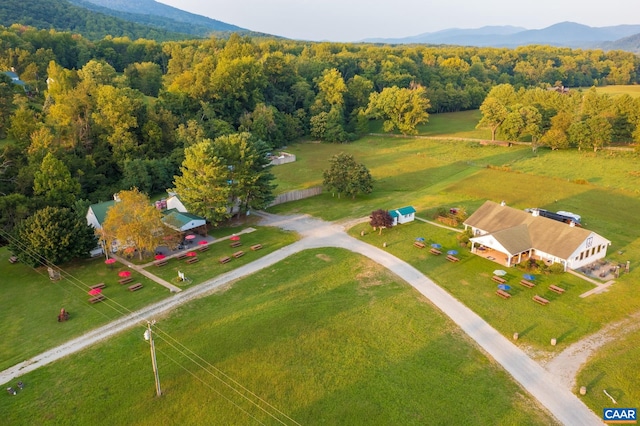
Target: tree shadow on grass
<point x="528" y="330"/>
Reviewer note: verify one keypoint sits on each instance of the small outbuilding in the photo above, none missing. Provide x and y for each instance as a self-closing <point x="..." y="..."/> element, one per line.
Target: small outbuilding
<point x="403" y="215"/>
<point x="183" y="221"/>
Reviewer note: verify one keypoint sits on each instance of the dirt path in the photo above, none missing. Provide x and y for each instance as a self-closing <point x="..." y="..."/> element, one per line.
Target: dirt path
<point x="566" y="365"/>
<point x="540" y="383"/>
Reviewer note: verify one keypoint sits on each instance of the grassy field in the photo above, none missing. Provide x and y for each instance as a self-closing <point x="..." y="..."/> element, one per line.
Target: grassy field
<point x="208" y="266"/>
<point x="302" y="368"/>
<point x="567" y="318"/>
<point x="603" y="187"/>
<point x="610" y="370"/>
<point x="631" y="90"/>
<point x="326" y="337"/>
<point x="31" y="302"/>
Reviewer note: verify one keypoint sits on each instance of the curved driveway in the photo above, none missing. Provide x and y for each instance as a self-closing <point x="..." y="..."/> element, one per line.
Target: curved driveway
<point x="562" y="404"/>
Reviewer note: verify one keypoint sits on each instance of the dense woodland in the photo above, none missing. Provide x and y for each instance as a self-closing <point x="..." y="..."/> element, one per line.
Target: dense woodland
<point x="99" y="117"/>
<point x="64" y="16"/>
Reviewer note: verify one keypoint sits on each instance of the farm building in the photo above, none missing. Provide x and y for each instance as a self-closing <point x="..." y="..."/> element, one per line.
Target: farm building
<point x="183" y="221"/>
<point x="403" y="215"/>
<point x="511" y="236"/>
<point x="175" y="217"/>
<point x="98" y="212"/>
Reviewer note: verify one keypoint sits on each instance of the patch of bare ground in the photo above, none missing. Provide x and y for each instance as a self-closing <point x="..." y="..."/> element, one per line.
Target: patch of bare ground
<point x="323" y="257"/>
<point x="566" y="365"/>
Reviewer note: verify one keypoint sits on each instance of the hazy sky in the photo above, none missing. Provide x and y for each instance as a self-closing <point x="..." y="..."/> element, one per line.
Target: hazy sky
<point x="354" y="20"/>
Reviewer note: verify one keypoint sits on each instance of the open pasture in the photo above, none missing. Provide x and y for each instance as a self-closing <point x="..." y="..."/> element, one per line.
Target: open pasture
<point x="631" y="90"/>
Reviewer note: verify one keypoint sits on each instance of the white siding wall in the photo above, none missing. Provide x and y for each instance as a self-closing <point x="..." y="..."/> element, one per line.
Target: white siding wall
<point x="591" y="249"/>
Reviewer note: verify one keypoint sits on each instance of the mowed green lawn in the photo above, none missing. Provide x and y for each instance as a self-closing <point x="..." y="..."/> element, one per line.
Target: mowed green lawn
<point x="603" y="187"/>
<point x="613" y="368"/>
<point x="324" y="337"/>
<point x="31" y="302"/>
<point x="567" y="318"/>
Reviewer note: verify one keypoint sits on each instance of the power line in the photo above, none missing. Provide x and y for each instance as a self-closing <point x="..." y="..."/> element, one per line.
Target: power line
<point x="78" y="283"/>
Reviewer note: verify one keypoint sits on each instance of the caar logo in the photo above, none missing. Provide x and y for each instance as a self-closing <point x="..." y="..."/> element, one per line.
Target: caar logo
<point x="620" y="415"/>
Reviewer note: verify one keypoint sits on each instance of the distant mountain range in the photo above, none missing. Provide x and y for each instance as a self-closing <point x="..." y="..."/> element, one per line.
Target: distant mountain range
<point x="150" y="19"/>
<point x="569" y="34"/>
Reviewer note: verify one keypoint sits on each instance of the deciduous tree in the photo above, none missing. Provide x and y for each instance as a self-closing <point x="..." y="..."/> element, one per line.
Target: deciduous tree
<point x="347" y="177"/>
<point x="380" y="219"/>
<point x="401" y="109"/>
<point x="134" y="223"/>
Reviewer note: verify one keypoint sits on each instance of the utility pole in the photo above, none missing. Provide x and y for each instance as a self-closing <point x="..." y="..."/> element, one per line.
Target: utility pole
<point x="149" y="337"/>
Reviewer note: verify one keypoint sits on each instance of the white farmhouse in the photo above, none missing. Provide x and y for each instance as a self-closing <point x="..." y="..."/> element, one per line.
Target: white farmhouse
<point x="517" y="235"/>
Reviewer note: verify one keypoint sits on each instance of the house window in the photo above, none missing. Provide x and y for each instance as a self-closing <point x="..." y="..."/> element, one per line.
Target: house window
<point x="581" y="255"/>
<point x="593" y="251"/>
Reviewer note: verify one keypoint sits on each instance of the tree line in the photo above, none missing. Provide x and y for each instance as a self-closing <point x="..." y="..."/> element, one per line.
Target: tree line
<point x="104" y="116"/>
<point x="560" y="118"/>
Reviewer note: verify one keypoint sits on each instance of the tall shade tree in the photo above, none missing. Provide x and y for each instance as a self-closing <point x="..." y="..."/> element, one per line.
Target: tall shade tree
<point x="134" y="224"/>
<point x="53" y="182"/>
<point x="494" y="113"/>
<point x="347" y="177"/>
<point x="249" y="175"/>
<point x="401" y="109"/>
<point x="203" y="183"/>
<point x="52" y="236"/>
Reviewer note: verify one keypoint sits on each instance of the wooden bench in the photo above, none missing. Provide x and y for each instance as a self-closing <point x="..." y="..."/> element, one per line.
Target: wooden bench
<point x="498" y="279"/>
<point x="527" y="284"/>
<point x="161" y="262"/>
<point x="224" y="260"/>
<point x="13" y="259"/>
<point x="100" y="285"/>
<point x="125" y="280"/>
<point x="556" y="289"/>
<point x="452" y="258"/>
<point x="204" y="247"/>
<point x="98" y="298"/>
<point x="540" y="300"/>
<point x="418" y="244"/>
<point x="256" y="247"/>
<point x="503" y="294"/>
<point x="181" y="256"/>
<point x="435" y="251"/>
<point x="136" y="286"/>
<point x="238" y="254"/>
<point x="235" y="244"/>
<point x="193" y="259"/>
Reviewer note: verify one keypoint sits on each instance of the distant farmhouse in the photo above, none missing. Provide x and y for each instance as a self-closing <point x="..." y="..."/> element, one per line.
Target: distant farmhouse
<point x="402" y="215"/>
<point x="513" y="235"/>
<point x="15" y="79"/>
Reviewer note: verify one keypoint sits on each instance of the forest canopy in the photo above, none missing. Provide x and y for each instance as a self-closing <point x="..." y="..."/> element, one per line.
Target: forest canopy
<point x="118" y="113"/>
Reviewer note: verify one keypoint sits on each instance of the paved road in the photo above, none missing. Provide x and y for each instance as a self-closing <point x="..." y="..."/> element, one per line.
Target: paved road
<point x="563" y="404"/>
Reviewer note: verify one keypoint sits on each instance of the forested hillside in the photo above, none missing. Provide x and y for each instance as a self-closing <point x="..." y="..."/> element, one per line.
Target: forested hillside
<point x="149" y="12"/>
<point x="63" y="16"/>
<point x="104" y="116"/>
